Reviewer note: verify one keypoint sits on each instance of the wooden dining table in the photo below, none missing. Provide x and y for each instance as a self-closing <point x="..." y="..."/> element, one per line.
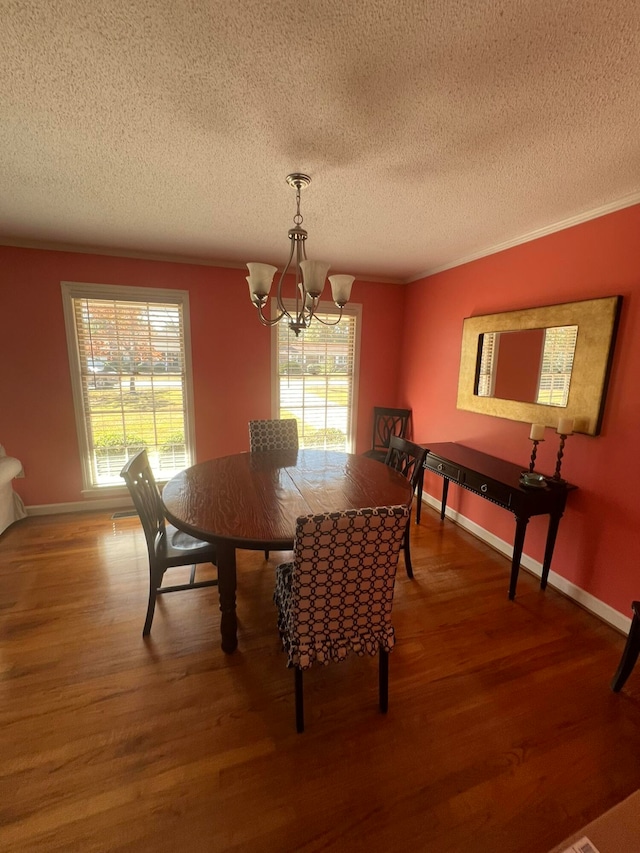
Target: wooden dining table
<point x="252" y="500"/>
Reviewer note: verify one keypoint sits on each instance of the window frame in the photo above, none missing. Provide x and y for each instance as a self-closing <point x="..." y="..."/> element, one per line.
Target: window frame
<point x="352" y="309"/>
<point x="114" y="292"/>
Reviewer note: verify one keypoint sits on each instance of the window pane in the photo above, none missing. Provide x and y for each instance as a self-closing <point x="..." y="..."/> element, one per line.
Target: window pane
<point x="316" y="380"/>
<point x="131" y="356"/>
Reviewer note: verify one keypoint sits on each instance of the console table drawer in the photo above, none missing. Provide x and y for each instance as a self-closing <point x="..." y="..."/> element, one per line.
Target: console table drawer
<point x="499" y="493"/>
<point x="446" y="469"/>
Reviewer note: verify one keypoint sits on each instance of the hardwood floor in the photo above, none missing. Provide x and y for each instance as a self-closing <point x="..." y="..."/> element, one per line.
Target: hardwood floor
<point x="502" y="732"/>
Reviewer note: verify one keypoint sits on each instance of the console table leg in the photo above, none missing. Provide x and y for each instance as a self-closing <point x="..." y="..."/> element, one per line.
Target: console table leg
<point x="445" y="492"/>
<point x="419" y="488"/>
<point x="226" y="564"/>
<point x="521" y="529"/>
<point x="554" y="522"/>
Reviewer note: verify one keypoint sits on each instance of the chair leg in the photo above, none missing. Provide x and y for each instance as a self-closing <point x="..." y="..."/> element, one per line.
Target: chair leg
<point x="407" y="551"/>
<point x="150" y="609"/>
<point x="630" y="653"/>
<point x="297" y="672"/>
<point x="383" y="680"/>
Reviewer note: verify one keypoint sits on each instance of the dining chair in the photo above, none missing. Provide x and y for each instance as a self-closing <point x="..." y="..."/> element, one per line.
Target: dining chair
<point x="407" y="458"/>
<point x="168" y="547"/>
<point x="279" y="434"/>
<point x="387" y="422"/>
<point x="336" y="595"/>
<point x="631" y="651"/>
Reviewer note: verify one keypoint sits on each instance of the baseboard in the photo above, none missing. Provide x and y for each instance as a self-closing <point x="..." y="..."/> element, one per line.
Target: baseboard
<point x="80" y="506"/>
<point x="603" y="611"/>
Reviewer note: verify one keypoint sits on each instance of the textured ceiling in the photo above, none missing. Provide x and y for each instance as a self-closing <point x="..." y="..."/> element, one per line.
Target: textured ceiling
<point x="433" y="130"/>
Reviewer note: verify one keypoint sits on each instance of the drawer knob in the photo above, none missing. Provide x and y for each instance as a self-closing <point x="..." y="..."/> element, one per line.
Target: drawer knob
<point x="484" y="488"/>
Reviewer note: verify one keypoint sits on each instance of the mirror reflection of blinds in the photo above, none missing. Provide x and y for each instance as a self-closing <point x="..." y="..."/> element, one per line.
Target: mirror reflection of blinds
<point x="316" y="380"/>
<point x="557" y="362"/>
<point x="132" y="369"/>
<point x="486" y="372"/>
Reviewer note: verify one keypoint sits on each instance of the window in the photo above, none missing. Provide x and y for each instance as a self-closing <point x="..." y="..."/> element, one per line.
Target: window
<point x="130" y="368"/>
<point x="316" y="378"/>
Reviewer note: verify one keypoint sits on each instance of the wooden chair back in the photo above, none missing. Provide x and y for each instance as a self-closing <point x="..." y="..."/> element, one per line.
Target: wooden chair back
<point x="406" y="457"/>
<point x="387" y="422"/>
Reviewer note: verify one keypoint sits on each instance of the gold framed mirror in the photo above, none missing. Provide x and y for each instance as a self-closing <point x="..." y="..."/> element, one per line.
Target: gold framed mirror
<point x="590" y="363"/>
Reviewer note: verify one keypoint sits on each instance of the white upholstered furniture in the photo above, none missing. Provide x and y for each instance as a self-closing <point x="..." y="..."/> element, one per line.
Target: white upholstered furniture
<point x="11" y="506"/>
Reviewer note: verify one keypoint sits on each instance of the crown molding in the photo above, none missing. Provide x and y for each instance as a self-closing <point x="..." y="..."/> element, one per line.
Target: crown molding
<point x="612" y="207"/>
<point x="603" y="210"/>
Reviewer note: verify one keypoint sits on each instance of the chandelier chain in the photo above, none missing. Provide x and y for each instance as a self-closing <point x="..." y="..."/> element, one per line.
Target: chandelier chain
<point x="298" y="218"/>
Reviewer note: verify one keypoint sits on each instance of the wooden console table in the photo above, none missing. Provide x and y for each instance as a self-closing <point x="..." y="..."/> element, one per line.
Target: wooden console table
<point x="498" y="481"/>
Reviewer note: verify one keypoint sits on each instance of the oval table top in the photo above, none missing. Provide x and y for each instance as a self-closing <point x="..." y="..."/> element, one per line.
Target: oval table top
<point x="253" y="499"/>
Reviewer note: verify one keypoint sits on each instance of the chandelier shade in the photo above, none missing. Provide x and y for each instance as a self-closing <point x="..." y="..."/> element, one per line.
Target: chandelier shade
<point x="310" y="277"/>
<point x="260" y="278"/>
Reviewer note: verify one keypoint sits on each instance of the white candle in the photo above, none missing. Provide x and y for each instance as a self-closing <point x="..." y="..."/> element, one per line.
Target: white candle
<point x="565" y="426"/>
<point x="537" y="432"/>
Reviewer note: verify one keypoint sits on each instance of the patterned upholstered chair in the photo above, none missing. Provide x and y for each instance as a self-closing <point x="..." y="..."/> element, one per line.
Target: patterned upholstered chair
<point x="336" y="596"/>
<point x="168" y="547"/>
<point x="407" y="458"/>
<point x="273" y="435"/>
<point x="631" y="651"/>
<point x="387" y="422"/>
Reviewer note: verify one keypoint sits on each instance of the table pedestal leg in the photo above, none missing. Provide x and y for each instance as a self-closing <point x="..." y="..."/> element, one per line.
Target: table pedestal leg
<point x="226" y="563"/>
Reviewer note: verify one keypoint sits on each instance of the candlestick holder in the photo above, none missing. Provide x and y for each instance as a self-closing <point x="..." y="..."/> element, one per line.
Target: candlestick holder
<point x="556" y="476"/>
<point x="534" y="451"/>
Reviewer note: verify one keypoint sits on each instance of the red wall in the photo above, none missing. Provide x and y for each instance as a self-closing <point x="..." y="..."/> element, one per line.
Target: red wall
<point x="410" y="355"/>
<point x="231" y="358"/>
<point x="598" y="544"/>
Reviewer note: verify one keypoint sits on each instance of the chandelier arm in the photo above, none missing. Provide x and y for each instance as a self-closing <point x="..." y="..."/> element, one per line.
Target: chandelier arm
<point x="324" y="322"/>
<point x="279" y="300"/>
<point x="265" y="321"/>
<point x="301" y="298"/>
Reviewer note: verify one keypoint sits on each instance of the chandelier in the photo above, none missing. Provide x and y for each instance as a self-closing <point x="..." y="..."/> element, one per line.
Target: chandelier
<point x="309" y="277"/>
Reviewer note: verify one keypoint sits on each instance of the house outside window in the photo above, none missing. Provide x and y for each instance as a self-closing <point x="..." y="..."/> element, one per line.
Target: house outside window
<point x="316" y="377"/>
<point x="129" y="354"/>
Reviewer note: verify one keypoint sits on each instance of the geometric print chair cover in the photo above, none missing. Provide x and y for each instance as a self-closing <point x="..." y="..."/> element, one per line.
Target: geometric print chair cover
<point x="273" y="435"/>
<point x="336" y="596"/>
<point x="279" y="434"/>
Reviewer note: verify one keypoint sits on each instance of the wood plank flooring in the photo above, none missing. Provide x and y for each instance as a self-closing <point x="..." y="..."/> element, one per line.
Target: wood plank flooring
<point x="502" y="732"/>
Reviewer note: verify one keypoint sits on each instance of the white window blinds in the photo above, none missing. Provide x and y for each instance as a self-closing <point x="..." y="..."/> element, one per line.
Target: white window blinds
<point x="130" y="356"/>
<point x="317" y="380"/>
<point x="486" y="370"/>
<point x="557" y="362"/>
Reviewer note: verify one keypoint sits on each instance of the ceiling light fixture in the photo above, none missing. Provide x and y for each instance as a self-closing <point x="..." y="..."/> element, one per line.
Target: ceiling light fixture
<point x="309" y="277"/>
